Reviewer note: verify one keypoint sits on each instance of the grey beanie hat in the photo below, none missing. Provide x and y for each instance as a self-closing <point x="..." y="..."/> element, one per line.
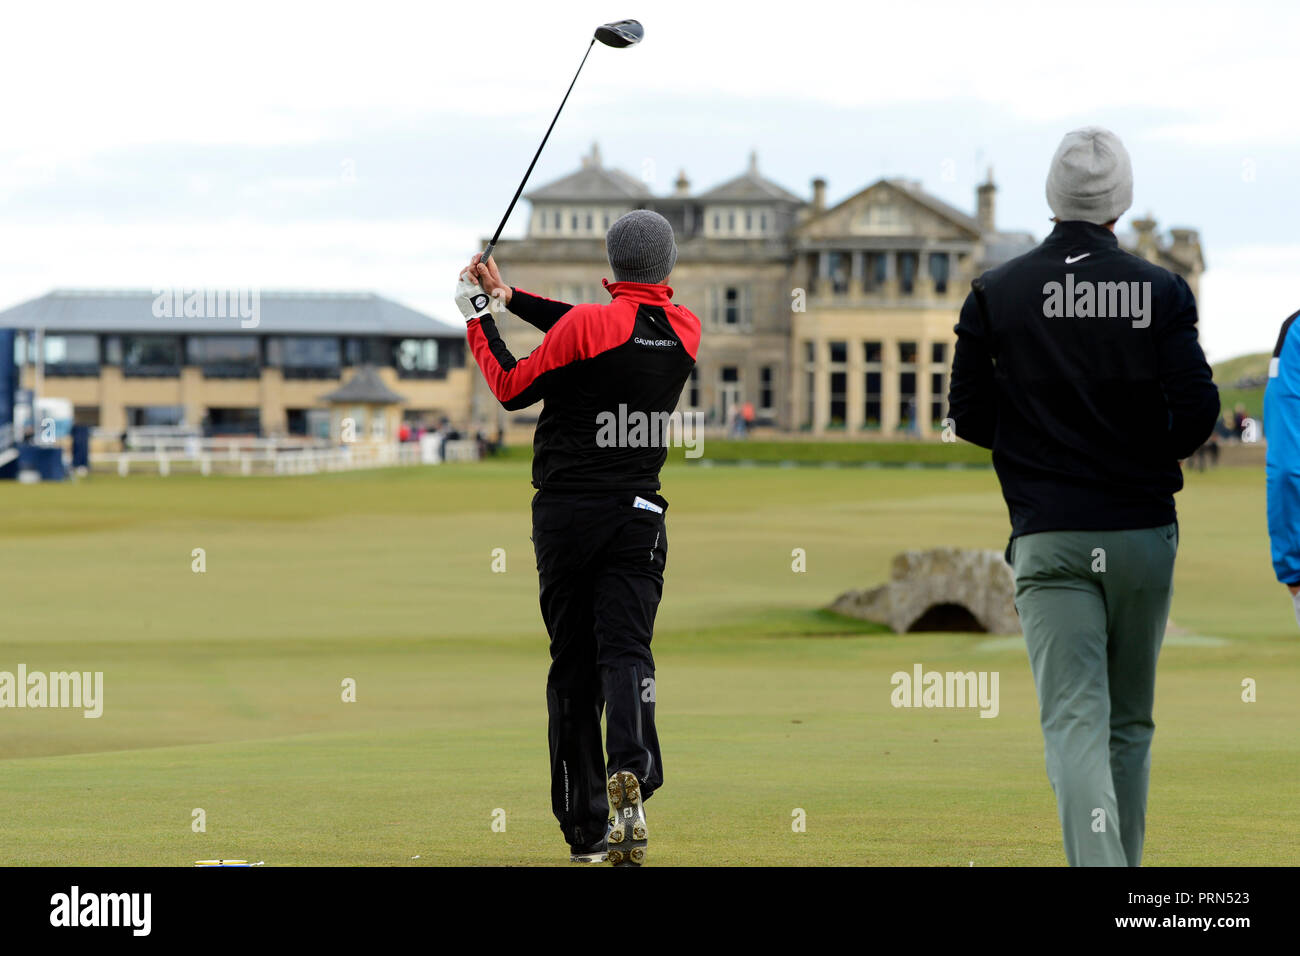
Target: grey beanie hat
<point x="1091" y="178"/>
<point x="641" y="247"/>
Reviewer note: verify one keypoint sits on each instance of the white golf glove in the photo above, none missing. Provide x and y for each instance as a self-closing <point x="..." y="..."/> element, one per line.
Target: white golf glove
<point x="472" y="300"/>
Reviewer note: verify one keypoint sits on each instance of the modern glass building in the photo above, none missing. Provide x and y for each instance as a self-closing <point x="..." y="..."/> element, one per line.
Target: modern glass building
<point x="232" y="362"/>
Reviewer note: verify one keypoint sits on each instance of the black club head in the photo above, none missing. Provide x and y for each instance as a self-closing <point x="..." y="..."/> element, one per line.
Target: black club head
<point x="620" y="33"/>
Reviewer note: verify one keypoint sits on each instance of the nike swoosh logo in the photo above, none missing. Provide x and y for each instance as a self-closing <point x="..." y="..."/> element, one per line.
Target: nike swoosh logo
<point x="1069" y="260"/>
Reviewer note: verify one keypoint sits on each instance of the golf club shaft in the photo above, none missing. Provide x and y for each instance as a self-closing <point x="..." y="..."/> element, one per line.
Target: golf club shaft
<point x="511" y="208"/>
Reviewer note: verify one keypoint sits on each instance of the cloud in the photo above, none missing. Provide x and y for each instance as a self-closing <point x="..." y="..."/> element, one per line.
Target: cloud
<point x="139" y="73"/>
<point x="1245" y="298"/>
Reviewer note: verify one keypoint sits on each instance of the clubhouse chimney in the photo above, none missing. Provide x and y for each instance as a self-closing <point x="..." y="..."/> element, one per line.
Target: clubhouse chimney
<point x="986" y="202"/>
<point x="1148" y="245"/>
<point x="819" y="195"/>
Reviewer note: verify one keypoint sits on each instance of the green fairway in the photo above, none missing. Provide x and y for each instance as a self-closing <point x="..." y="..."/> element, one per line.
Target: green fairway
<point x="223" y="689"/>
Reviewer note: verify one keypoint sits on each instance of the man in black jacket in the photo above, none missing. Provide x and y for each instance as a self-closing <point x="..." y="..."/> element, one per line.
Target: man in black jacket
<point x="1078" y="364"/>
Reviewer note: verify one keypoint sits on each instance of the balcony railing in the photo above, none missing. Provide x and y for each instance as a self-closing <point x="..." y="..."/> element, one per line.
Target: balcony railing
<point x="151" y="371"/>
<point x="827" y="290"/>
<point x="312" y="371"/>
<point x="230" y="370"/>
<point x="71" y="369"/>
<point x="422" y="373"/>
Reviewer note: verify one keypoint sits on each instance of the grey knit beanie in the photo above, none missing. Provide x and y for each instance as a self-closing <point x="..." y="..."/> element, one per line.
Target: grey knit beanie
<point x="641" y="247"/>
<point x="1091" y="178"/>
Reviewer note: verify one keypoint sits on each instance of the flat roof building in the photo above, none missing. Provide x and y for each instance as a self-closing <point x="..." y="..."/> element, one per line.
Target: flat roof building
<point x="234" y="361"/>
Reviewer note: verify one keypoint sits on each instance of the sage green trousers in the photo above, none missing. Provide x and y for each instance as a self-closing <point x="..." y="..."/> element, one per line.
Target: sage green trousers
<point x="1093" y="606"/>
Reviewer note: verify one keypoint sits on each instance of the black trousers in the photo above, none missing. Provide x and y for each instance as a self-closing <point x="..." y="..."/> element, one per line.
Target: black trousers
<point x="600" y="567"/>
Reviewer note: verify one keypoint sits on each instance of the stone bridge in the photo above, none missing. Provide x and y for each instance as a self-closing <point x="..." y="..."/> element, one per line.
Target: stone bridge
<point x="943" y="589"/>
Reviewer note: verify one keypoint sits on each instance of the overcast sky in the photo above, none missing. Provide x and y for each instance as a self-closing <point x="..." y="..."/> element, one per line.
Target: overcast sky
<point x="373" y="146"/>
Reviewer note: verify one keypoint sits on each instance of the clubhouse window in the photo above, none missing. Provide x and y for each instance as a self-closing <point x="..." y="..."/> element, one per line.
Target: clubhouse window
<point x="838" y="268"/>
<point x="938" y="381"/>
<point x="938" y="396"/>
<point x="766" y="388"/>
<point x="808" y="413"/>
<point x="225" y="356"/>
<point x="233" y="421"/>
<point x="939" y="271"/>
<point x="871" y="401"/>
<point x="839" y="399"/>
<point x="156" y="356"/>
<point x="731" y="308"/>
<point x="304" y="356"/>
<point x="907" y="410"/>
<point x="71" y="355"/>
<point x="907" y="262"/>
<point x="155" y="416"/>
<point x="877" y="267"/>
<point x="872" y="353"/>
<point x="452" y="352"/>
<point x="313" y="422"/>
<point x="838" y="410"/>
<point x="416" y="358"/>
<point x="366" y="350"/>
<point x="906" y="398"/>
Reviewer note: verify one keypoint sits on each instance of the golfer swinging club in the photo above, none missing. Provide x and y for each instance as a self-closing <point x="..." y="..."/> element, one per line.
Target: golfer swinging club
<point x="598" y="520"/>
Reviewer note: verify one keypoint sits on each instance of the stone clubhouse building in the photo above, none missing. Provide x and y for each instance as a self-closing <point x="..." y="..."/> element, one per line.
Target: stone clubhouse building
<point x="827" y="320"/>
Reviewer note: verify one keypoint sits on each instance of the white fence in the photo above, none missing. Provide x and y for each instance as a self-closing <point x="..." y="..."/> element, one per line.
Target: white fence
<point x="257" y="456"/>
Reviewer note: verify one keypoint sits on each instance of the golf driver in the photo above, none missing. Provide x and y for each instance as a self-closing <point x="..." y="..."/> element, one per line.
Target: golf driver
<point x="619" y="34"/>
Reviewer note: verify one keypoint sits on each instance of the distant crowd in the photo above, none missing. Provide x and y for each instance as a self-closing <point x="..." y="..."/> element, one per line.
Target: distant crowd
<point x="414" y="431"/>
<point x="1231" y="427"/>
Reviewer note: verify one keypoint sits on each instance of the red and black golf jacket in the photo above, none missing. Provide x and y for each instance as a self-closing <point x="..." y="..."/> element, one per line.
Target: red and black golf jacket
<point x="597" y="364"/>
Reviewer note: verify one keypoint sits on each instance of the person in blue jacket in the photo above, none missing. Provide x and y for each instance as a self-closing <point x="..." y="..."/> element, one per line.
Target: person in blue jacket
<point x="1282" y="421"/>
